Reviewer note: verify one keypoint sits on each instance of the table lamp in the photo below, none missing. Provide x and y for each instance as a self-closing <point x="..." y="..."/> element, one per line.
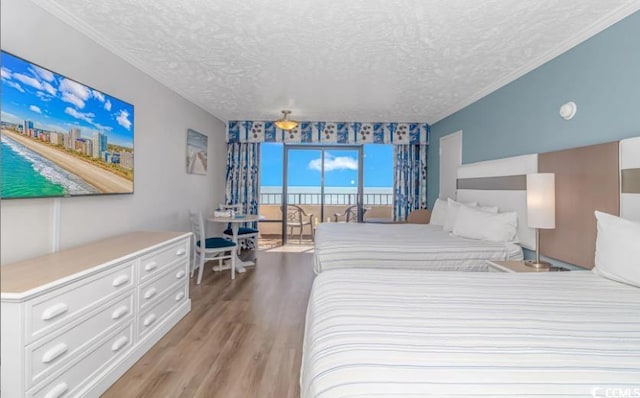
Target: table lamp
<point x="541" y="209"/>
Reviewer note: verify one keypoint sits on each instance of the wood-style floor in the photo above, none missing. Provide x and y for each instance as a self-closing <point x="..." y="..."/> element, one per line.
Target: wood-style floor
<point x="242" y="338"/>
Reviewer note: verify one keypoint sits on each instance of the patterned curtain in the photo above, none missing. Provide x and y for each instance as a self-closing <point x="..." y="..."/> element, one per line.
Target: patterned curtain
<point x="243" y="186"/>
<point x="352" y="133"/>
<point x="410" y="182"/>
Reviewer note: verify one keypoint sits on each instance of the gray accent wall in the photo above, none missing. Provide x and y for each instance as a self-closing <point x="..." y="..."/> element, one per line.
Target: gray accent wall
<point x="601" y="75"/>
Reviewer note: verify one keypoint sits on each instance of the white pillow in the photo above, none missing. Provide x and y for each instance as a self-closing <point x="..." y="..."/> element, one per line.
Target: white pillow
<point x="477" y="224"/>
<point x="439" y="212"/>
<point x="452" y="213"/>
<point x="488" y="209"/>
<point x="618" y="249"/>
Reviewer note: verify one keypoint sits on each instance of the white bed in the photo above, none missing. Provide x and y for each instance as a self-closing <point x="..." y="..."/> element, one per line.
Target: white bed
<point x="404" y="246"/>
<point x="427" y="246"/>
<point x="376" y="332"/>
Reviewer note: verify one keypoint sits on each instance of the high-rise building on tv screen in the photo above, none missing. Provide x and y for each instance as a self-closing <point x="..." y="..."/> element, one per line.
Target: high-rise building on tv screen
<point x="61" y="137"/>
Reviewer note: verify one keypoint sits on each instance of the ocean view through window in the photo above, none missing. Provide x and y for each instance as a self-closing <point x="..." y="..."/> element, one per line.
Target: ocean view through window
<point x="340" y="176"/>
<point x="312" y="168"/>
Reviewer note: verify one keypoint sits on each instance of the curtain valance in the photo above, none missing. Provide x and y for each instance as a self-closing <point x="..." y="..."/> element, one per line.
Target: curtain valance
<point x="353" y="133"/>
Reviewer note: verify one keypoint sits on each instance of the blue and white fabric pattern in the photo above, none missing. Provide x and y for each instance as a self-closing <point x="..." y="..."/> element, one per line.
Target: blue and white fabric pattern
<point x="242" y="182"/>
<point x="410" y="182"/>
<point x="351" y="133"/>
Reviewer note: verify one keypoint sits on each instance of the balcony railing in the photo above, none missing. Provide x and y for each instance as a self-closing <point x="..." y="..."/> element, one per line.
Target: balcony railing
<point x="380" y="199"/>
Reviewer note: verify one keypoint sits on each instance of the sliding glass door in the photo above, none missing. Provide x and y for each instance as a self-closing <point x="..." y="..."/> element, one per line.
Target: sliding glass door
<point x="320" y="184"/>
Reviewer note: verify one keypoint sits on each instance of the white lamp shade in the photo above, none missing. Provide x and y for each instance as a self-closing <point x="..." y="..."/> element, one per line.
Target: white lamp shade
<point x="541" y="200"/>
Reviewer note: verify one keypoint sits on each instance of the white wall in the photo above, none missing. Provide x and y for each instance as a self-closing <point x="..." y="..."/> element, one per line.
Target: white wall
<point x="163" y="191"/>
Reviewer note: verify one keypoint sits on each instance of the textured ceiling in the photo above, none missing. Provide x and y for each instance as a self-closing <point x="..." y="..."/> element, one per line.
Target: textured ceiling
<point x="367" y="60"/>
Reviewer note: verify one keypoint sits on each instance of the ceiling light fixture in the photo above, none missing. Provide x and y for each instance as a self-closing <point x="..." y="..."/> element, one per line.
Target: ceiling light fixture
<point x="285" y="123"/>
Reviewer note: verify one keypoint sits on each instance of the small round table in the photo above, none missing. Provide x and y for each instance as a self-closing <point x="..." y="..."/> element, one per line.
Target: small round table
<point x="235" y="227"/>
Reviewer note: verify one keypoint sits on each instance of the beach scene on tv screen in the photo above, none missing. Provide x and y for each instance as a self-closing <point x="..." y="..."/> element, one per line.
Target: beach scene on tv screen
<point x="61" y="137"/>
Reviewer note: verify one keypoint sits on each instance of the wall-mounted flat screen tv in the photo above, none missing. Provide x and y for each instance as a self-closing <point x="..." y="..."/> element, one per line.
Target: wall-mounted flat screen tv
<point x="61" y="137"/>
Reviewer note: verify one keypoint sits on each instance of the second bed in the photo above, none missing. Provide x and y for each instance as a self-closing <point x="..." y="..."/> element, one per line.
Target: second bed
<point x="404" y="246"/>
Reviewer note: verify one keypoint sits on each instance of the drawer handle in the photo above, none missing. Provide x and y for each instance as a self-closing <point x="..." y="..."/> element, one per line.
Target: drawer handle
<point x="179" y="296"/>
<point x="120" y="312"/>
<point x="57" y="391"/>
<point x="54" y="311"/>
<point x="151" y="266"/>
<point x="149" y="320"/>
<point x="180" y="274"/>
<point x="150" y="293"/>
<point x="54" y="352"/>
<point x="118" y="344"/>
<point x="181" y="252"/>
<point x="121" y="280"/>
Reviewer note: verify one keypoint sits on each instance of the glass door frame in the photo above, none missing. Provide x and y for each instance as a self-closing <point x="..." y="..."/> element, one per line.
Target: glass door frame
<point x="322" y="149"/>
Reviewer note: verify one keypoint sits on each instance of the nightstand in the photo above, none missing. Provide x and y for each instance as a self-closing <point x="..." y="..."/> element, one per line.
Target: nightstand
<point x="517" y="266"/>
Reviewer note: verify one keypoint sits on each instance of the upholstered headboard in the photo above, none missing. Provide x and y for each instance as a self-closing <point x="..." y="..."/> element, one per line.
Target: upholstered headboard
<point x="586" y="180"/>
<point x="603" y="177"/>
<point x="630" y="178"/>
<point x="502" y="183"/>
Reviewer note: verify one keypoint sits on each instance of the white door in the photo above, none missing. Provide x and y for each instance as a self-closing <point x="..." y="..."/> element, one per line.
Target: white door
<point x="450" y="159"/>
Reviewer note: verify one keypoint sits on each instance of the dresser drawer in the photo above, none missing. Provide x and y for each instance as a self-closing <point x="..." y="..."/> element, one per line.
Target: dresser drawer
<point x="48" y="312"/>
<point x="70" y="382"/>
<point x="43" y="358"/>
<point x="155" y="263"/>
<point x="154" y="290"/>
<point x="165" y="305"/>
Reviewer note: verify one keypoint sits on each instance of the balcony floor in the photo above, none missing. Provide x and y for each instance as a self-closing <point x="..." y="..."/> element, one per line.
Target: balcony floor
<point x="270" y="241"/>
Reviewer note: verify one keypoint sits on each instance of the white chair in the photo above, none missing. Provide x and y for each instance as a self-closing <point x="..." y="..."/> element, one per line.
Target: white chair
<point x="298" y="218"/>
<point x="209" y="248"/>
<point x="247" y="237"/>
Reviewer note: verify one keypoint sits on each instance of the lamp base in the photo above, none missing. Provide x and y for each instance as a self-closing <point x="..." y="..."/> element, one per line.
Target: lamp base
<point x="537" y="265"/>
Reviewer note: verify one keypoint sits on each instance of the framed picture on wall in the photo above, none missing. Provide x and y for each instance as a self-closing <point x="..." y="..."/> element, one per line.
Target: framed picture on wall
<point x="196" y="152"/>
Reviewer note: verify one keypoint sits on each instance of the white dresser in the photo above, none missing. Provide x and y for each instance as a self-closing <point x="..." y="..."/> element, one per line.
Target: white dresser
<point x="74" y="321"/>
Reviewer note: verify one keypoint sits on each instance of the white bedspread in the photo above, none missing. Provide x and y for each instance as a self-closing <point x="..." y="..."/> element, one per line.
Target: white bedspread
<point x="374" y="333"/>
<point x="413" y="246"/>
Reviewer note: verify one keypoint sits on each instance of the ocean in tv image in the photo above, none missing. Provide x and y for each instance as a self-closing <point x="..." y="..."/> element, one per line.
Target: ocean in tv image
<point x="61" y="137"/>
